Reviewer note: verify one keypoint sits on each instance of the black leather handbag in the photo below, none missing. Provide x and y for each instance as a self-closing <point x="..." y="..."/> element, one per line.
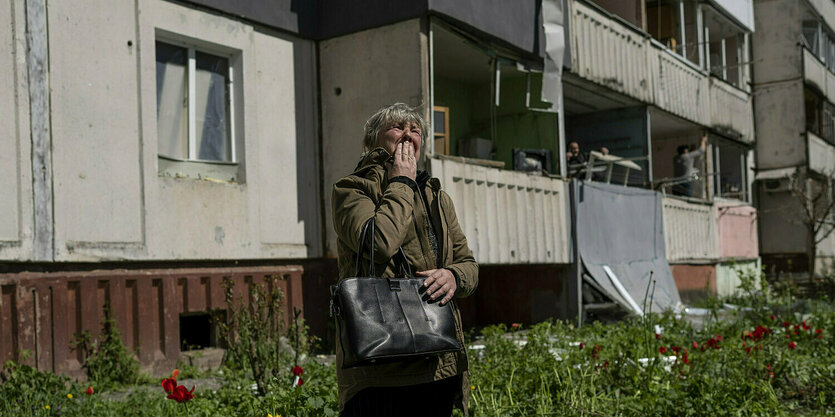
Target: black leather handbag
<point x="381" y="319"/>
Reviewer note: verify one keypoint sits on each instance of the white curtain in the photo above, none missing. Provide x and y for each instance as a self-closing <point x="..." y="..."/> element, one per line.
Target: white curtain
<point x="212" y="122"/>
<point x="172" y="123"/>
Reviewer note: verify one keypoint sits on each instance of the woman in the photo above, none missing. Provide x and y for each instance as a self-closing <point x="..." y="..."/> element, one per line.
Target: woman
<point x="411" y="212"/>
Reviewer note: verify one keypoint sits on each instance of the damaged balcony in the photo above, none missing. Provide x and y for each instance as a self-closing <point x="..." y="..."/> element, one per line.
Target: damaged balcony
<point x="495" y="151"/>
<point x="697" y="70"/>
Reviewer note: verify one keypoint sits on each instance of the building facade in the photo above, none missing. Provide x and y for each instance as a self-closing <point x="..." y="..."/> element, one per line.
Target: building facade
<point x="795" y="70"/>
<point x="162" y="147"/>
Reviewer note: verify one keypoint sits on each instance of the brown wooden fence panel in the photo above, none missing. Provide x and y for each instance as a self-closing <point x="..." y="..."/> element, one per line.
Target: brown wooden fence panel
<point x="40" y="313"/>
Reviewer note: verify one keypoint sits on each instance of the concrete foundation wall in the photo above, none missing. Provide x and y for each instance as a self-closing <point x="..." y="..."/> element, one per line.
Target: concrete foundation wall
<point x="359" y="74"/>
<point x="16" y="221"/>
<point x="694" y="282"/>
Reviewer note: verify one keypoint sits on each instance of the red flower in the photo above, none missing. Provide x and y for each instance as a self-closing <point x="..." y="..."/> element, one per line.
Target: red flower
<point x="747" y="350"/>
<point x="818" y="331"/>
<point x="175" y="374"/>
<point x="684" y="357"/>
<point x="514" y="325"/>
<point x="181" y="394"/>
<point x="89" y="391"/>
<point x="676" y="349"/>
<point x="298" y="371"/>
<point x="662" y="350"/>
<point x="301" y="382"/>
<point x="695" y="344"/>
<point x="597" y="348"/>
<point x="169" y="384"/>
<point x="786" y="324"/>
<point x="657" y="336"/>
<point x="792" y="345"/>
<point x="718" y="337"/>
<point x="582" y="345"/>
<point x="773" y="317"/>
<point x="805" y="326"/>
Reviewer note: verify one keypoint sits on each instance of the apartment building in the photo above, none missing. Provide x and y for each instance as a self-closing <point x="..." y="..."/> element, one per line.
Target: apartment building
<point x="162" y="147"/>
<point x="794" y="78"/>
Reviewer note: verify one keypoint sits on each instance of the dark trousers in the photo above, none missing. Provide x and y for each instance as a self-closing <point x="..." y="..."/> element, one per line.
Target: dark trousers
<point x="683" y="189"/>
<point x="424" y="400"/>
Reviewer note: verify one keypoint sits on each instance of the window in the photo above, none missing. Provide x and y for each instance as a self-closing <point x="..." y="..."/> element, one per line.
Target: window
<point x="440" y="129"/>
<point x="194" y="104"/>
<point x="810" y="35"/>
<point x="731" y="163"/>
<point x="813" y="105"/>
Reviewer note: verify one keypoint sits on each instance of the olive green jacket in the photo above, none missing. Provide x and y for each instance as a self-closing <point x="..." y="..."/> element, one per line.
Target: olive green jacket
<point x="402" y="221"/>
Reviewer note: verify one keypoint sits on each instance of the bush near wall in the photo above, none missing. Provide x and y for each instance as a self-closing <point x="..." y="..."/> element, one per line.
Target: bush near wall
<point x="774" y="356"/>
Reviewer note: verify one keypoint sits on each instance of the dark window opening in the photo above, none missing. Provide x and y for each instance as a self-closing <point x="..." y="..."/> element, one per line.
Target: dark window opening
<point x="197" y="331"/>
<point x="813" y="104"/>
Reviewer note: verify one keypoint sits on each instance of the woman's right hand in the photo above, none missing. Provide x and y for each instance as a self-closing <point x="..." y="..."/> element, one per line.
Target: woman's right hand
<point x="405" y="162"/>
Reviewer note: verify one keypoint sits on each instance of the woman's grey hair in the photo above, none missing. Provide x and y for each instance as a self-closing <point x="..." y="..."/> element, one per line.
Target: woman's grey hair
<point x="388" y="115"/>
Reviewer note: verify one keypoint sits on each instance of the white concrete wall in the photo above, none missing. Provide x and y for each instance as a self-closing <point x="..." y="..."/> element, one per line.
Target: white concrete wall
<point x="728" y="276"/>
<point x="778" y="72"/>
<point x="16" y="212"/>
<point x="110" y="203"/>
<point x="360" y="73"/>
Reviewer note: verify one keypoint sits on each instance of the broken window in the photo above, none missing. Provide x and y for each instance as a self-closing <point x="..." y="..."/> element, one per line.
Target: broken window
<point x="631" y="11"/>
<point x="726" y="48"/>
<point x="487" y="106"/>
<point x="664" y="23"/>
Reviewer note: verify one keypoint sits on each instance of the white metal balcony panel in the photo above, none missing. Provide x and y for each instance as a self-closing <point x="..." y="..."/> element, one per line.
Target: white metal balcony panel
<point x="689" y="230"/>
<point x="508" y="217"/>
<point x="814" y="71"/>
<point x="679" y="88"/>
<point x="730" y="109"/>
<point x="821" y="155"/>
<point x="608" y="53"/>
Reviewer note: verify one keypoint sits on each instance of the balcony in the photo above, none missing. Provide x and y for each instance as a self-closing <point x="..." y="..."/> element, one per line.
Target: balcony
<point x="508" y="217"/>
<point x="689" y="230"/>
<point x="816" y="73"/>
<point x="612" y="54"/>
<point x="821" y="155"/>
<point x="731" y="110"/>
<point x="737" y="225"/>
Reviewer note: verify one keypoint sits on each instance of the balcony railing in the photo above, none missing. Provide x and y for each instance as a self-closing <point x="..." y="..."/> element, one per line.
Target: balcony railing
<point x="689" y="230"/>
<point x="821" y="155"/>
<point x="816" y="73"/>
<point x="737" y="225"/>
<point x="508" y="217"/>
<point x="731" y="110"/>
<point x="610" y="53"/>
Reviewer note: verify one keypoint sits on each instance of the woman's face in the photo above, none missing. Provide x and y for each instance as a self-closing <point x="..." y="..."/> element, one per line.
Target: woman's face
<point x="407" y="132"/>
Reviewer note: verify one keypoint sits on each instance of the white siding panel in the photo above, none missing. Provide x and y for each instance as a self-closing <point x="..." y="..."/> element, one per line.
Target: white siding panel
<point x="610" y="54"/>
<point x="821" y="155"/>
<point x="679" y="88"/>
<point x="689" y="230"/>
<point x="814" y="71"/>
<point x="731" y="109"/>
<point x="508" y="217"/>
<point x="16" y="207"/>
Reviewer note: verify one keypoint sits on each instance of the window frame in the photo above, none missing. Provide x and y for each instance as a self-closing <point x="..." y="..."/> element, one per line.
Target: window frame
<point x="233" y="84"/>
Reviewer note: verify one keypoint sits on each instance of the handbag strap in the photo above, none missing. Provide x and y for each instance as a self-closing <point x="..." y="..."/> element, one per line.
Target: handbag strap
<point x="399" y="257"/>
<point x="369" y="226"/>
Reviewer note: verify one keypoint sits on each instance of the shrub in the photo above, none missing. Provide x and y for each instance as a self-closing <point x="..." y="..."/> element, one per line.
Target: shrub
<point x="106" y="359"/>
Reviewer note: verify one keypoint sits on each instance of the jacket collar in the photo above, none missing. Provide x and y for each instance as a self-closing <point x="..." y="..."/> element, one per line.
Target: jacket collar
<point x="377" y="157"/>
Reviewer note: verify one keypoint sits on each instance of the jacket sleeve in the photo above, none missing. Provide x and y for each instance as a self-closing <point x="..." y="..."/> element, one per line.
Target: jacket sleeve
<point x="463" y="265"/>
<point x="353" y="205"/>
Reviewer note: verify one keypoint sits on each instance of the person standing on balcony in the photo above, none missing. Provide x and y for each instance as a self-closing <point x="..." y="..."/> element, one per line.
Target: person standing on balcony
<point x="685" y="169"/>
<point x="410" y="211"/>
